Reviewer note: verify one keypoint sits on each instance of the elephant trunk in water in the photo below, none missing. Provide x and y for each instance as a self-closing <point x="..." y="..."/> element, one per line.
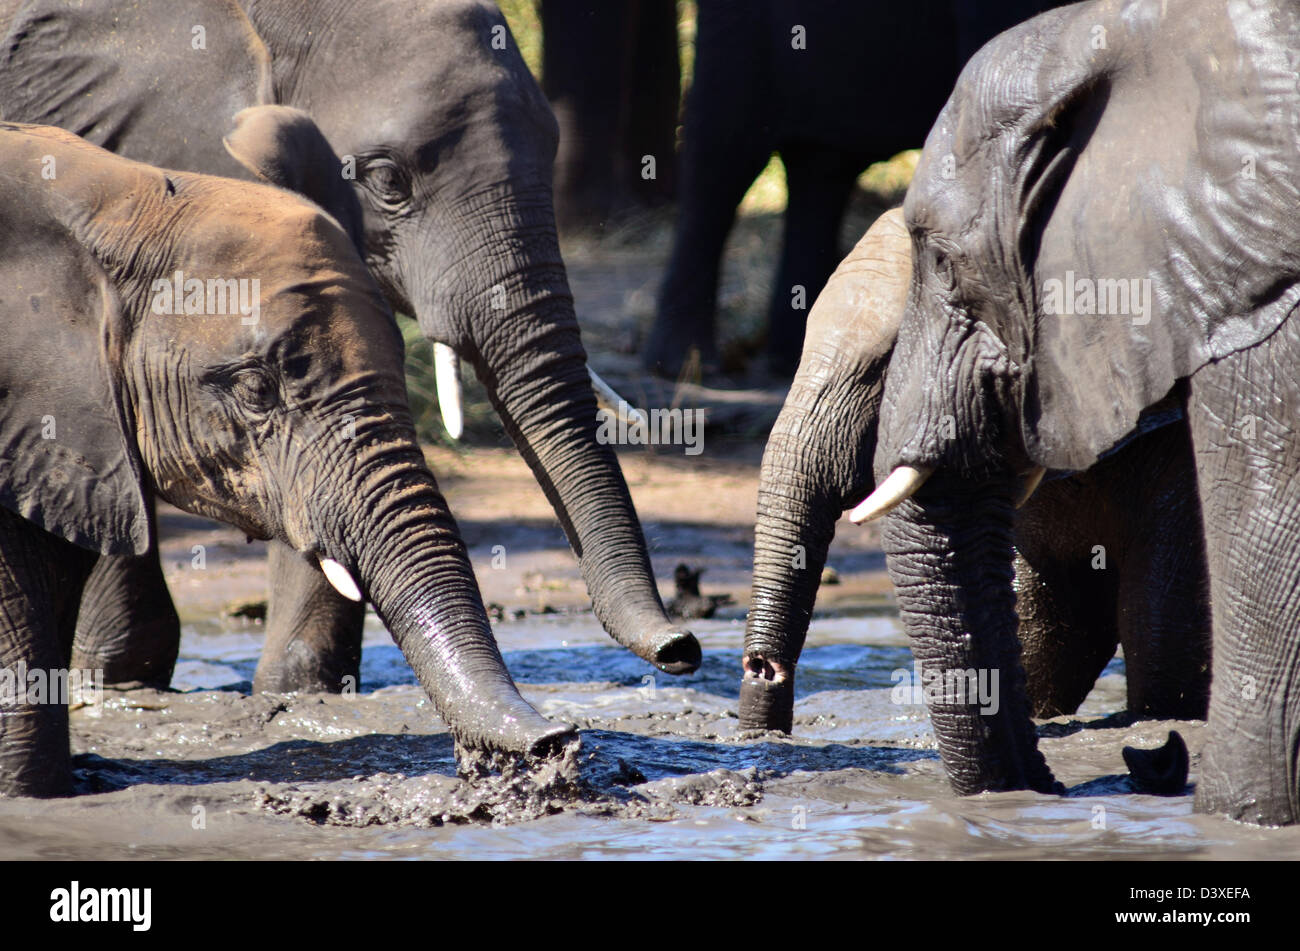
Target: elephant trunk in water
<point x="950" y="560"/>
<point x="535" y="370"/>
<point x="410" y="560"/>
<point x="818" y="461"/>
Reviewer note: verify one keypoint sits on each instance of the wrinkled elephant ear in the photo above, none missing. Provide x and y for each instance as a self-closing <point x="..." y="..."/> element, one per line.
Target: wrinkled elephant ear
<point x="1147" y="242"/>
<point x="66" y="460"/>
<point x="284" y="146"/>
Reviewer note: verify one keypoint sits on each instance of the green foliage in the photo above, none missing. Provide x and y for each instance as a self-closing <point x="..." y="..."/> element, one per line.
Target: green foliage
<point x="482" y="427"/>
<point x="525" y="23"/>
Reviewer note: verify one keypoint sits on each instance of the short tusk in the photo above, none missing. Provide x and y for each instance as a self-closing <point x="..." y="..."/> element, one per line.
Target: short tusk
<point x="446" y="373"/>
<point x="1029" y="483"/>
<point x="606" y="397"/>
<point x="898" y="488"/>
<point x="341" y="579"/>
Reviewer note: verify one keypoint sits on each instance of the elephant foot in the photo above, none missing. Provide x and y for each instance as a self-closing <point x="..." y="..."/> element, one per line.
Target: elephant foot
<point x="300" y="667"/>
<point x="34" y="756"/>
<point x="1161" y="772"/>
<point x="767" y="695"/>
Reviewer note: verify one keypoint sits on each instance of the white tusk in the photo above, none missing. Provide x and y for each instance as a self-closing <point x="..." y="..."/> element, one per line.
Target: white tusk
<point x="446" y="373"/>
<point x="340" y="578"/>
<point x="1029" y="483"/>
<point x="891" y="493"/>
<point x="606" y="396"/>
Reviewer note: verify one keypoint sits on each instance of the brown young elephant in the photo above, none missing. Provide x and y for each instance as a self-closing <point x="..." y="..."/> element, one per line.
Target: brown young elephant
<point x="221" y="344"/>
<point x="1105" y="557"/>
<point x="449" y="146"/>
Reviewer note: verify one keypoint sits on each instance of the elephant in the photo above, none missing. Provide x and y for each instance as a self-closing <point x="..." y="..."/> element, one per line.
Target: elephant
<point x="275" y="402"/>
<point x="448" y="148"/>
<point x="613" y="76"/>
<point x="1085" y="543"/>
<point x="831" y="85"/>
<point x="1114" y="228"/>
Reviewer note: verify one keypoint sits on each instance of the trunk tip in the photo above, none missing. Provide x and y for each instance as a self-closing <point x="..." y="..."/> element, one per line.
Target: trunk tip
<point x="680" y="654"/>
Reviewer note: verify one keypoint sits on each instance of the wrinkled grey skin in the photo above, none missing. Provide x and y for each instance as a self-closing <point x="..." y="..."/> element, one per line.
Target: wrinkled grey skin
<point x="1147" y="591"/>
<point x="290" y="422"/>
<point x="453" y="146"/>
<point x="1166" y="153"/>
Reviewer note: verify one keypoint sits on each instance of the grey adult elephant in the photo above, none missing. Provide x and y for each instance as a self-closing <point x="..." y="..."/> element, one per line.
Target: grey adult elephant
<point x="1119" y="224"/>
<point x="450" y="145"/>
<point x="223" y="344"/>
<point x="1088" y="546"/>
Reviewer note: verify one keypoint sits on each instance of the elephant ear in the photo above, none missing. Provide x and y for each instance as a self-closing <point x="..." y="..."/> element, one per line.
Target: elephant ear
<point x="285" y="147"/>
<point x="1137" y="204"/>
<point x="66" y="462"/>
<point x="136" y="78"/>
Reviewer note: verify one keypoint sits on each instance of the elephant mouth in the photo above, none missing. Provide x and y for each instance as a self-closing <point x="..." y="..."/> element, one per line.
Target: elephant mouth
<point x="680" y="654"/>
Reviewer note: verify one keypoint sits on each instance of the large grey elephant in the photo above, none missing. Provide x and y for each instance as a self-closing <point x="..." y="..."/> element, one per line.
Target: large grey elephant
<point x="222" y="344"/>
<point x="450" y="144"/>
<point x="1088" y="546"/>
<point x="1107" y="214"/>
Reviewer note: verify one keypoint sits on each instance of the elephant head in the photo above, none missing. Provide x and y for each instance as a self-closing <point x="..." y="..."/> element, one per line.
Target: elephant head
<point x="1090" y="228"/>
<point x="818" y="460"/>
<point x="222" y="345"/>
<point x="448" y="145"/>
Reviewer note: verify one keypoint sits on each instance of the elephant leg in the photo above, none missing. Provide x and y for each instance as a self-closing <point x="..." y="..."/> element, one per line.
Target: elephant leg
<point x="41" y="578"/>
<point x="313" y="633"/>
<point x="725" y="145"/>
<point x="1066" y="571"/>
<point x="1164" y="612"/>
<point x="128" y="626"/>
<point x="1067" y="632"/>
<point x="1244" y="410"/>
<point x="819" y="182"/>
<point x="583" y="81"/>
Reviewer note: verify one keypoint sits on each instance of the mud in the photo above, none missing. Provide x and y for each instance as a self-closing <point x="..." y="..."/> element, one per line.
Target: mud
<point x="660" y="770"/>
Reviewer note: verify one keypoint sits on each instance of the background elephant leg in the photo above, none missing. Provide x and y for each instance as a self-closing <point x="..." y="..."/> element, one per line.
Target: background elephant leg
<point x="819" y="182"/>
<point x="128" y="626"/>
<point x="725" y="144"/>
<point x="1164" y="617"/>
<point x="313" y="634"/>
<point x="1243" y="411"/>
<point x="41" y="578"/>
<point x="1067" y="632"/>
<point x="612" y="74"/>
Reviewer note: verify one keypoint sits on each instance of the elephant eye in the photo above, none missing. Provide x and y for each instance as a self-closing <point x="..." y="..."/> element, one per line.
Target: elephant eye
<point x="255" y="389"/>
<point x="386" y="181"/>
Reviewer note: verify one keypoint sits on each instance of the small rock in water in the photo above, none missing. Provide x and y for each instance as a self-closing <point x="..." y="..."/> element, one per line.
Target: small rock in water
<point x="250" y="610"/>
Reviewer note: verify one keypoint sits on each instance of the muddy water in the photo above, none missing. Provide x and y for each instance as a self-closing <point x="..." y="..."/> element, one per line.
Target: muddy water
<point x="211" y="772"/>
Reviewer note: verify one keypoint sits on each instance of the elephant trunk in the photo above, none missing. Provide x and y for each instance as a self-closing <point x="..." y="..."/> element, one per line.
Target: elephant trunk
<point x="534" y="367"/>
<point x="412" y="564"/>
<point x="818" y="460"/>
<point x="949" y="551"/>
<point x="818" y="457"/>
